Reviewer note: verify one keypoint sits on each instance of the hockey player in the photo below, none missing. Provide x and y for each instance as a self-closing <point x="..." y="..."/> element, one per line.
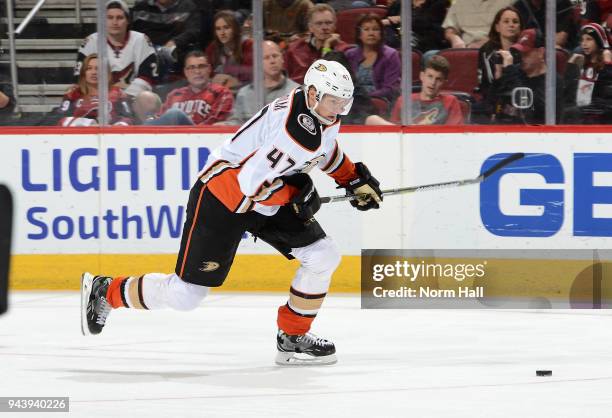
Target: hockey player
<point x="258" y="181"/>
<point x="130" y="54"/>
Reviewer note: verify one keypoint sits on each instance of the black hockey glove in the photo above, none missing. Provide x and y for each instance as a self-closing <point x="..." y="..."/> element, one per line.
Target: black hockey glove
<point x="307" y="202"/>
<point x="364" y="185"/>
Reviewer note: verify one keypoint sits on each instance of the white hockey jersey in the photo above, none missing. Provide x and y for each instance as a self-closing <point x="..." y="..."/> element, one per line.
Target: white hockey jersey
<point x="134" y="65"/>
<point x="283" y="138"/>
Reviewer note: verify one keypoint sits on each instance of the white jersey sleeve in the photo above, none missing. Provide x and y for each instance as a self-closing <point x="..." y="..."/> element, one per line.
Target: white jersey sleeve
<point x="134" y="65"/>
<point x="88" y="47"/>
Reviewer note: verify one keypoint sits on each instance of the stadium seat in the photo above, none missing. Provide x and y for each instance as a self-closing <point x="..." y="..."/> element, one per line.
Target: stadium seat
<point x="466" y="109"/>
<point x="381" y="105"/>
<point x="605" y="7"/>
<point x="347" y="20"/>
<point x="465" y="101"/>
<point x="417" y="64"/>
<point x="417" y="58"/>
<point x="463" y="75"/>
<point x="562" y="57"/>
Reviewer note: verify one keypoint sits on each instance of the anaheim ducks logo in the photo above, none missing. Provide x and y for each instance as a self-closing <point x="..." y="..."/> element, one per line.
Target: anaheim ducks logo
<point x="208" y="266"/>
<point x="321" y="67"/>
<point x="307" y="123"/>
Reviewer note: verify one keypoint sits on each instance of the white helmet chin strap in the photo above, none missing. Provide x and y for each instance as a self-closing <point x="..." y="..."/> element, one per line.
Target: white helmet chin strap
<point x="322" y="119"/>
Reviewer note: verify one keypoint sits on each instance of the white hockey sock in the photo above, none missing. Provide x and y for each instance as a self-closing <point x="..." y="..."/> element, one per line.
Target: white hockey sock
<point x="312" y="279"/>
<point x="170" y="291"/>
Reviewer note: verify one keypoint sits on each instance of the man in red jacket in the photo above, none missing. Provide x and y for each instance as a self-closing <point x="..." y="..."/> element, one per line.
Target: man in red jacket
<point x="203" y="101"/>
<point x="321" y="40"/>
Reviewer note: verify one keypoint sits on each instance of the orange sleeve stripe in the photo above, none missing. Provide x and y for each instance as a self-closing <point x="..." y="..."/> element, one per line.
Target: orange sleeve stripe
<point x="345" y="172"/>
<point x="225" y="187"/>
<point x="281" y="197"/>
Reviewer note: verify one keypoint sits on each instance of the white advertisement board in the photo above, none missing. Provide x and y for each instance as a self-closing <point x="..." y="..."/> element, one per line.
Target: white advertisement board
<point x="124" y="194"/>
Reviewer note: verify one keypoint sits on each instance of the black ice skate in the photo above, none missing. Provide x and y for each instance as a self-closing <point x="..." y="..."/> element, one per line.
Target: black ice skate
<point x="304" y="350"/>
<point x="94" y="306"/>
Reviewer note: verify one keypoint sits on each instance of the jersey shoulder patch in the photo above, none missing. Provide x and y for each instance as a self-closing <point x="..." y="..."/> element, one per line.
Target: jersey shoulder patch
<point x="280" y="104"/>
<point x="301" y="125"/>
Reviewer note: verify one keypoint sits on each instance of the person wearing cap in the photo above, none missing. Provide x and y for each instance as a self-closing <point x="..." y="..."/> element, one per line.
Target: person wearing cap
<point x="130" y="54"/>
<point x="523" y="66"/>
<point x="588" y="78"/>
<point x="533" y="14"/>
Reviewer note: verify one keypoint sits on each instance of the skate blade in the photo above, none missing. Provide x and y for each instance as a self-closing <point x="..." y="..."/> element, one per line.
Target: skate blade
<point x="301" y="359"/>
<point x="86" y="283"/>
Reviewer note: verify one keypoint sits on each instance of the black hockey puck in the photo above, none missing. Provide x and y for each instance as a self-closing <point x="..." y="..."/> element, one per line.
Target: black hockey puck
<point x="543" y="372"/>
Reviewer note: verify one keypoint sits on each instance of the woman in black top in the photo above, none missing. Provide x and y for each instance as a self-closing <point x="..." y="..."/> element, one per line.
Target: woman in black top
<point x="427" y="18"/>
<point x="505" y="30"/>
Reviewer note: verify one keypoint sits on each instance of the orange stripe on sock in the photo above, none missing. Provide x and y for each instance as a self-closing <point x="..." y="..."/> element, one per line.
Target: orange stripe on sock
<point x="292" y="323"/>
<point x="113" y="294"/>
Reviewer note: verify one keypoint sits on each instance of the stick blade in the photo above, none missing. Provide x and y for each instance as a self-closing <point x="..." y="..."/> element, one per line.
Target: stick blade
<point x="503" y="163"/>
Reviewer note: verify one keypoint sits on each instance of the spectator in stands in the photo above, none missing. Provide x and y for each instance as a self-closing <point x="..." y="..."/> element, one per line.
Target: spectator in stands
<point x="590" y="12"/>
<point x="467" y="22"/>
<point x="147" y="106"/>
<point x="80" y="104"/>
<point x="7" y="100"/>
<point x="362" y="107"/>
<point x="429" y="107"/>
<point x="276" y="83"/>
<point x="588" y="79"/>
<point x="505" y="30"/>
<point x="208" y="9"/>
<point x="427" y="18"/>
<point x="377" y="67"/>
<point x="205" y="102"/>
<point x="285" y="20"/>
<point x="231" y="57"/>
<point x="172" y="26"/>
<point x="533" y="13"/>
<point x="321" y="40"/>
<point x="339" y="5"/>
<point x="247" y="27"/>
<point x="130" y="54"/>
<point x="530" y="73"/>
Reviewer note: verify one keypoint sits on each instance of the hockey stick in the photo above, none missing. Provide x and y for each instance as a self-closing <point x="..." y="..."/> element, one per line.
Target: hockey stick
<point x="434" y="186"/>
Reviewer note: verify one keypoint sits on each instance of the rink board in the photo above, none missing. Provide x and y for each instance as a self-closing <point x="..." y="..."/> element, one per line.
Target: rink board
<point x="114" y="202"/>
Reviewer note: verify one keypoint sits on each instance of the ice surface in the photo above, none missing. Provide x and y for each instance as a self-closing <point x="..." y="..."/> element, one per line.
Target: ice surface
<point x="218" y="361"/>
